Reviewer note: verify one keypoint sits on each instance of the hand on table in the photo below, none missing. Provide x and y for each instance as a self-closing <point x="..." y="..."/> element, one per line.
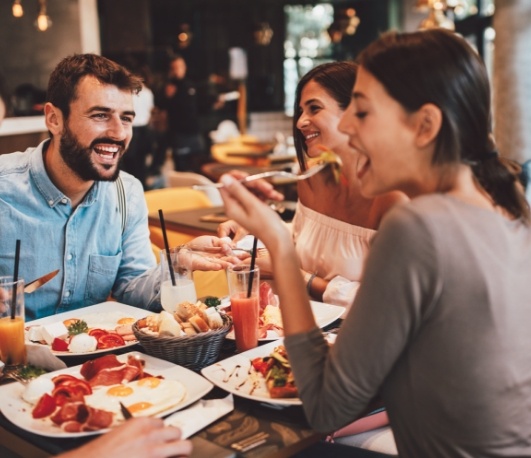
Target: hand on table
<point x="142" y="437"/>
<point x="232" y="230"/>
<point x="209" y="253"/>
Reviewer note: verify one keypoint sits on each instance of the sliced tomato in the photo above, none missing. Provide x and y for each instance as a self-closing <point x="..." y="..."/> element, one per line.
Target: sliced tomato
<point x="110" y="340"/>
<point x="97" y="332"/>
<point x="262" y="365"/>
<point x="45" y="406"/>
<point x="59" y="344"/>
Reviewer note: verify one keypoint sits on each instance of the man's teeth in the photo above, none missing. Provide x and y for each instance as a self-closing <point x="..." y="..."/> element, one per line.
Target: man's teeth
<point x="106" y="150"/>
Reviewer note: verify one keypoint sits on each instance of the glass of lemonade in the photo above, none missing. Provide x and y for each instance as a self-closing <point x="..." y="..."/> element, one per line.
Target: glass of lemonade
<point x="12" y="342"/>
<point x="244" y="304"/>
<point x="184" y="289"/>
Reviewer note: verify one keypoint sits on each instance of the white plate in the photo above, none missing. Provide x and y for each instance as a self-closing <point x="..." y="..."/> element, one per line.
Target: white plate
<point x="236" y="380"/>
<point x="103" y="316"/>
<point x="18" y="412"/>
<point x="324" y="315"/>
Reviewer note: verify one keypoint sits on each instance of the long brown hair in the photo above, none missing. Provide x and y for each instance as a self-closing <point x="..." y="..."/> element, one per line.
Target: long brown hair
<point x="439" y="67"/>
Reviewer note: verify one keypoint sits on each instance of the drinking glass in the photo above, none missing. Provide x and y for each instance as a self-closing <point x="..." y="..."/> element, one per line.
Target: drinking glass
<point x="12" y="342"/>
<point x="245" y="304"/>
<point x="183" y="290"/>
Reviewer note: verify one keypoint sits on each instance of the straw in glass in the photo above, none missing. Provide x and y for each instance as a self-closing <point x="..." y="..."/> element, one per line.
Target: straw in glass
<point x="253" y="260"/>
<point x="166" y="246"/>
<point x="15" y="280"/>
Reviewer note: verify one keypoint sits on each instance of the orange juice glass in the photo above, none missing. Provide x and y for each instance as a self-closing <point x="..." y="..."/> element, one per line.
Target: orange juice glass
<point x="245" y="305"/>
<point x="12" y="342"/>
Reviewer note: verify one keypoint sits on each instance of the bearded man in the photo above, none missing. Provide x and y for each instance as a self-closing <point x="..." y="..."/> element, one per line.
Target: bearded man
<point x="72" y="207"/>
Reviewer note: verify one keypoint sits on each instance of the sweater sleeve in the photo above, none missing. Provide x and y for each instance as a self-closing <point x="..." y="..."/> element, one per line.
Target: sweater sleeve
<point x="399" y="285"/>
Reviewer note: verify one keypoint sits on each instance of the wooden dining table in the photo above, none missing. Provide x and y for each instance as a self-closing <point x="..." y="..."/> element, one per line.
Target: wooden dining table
<point x="194" y="222"/>
<point x="286" y="431"/>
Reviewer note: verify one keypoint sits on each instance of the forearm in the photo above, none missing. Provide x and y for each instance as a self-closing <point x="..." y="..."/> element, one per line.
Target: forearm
<point x="315" y="285"/>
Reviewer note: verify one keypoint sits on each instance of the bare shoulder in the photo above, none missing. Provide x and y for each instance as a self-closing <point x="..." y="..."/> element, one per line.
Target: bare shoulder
<point x="382" y="204"/>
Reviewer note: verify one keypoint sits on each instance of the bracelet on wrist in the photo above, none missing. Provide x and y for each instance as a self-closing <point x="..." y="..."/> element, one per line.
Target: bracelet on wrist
<point x="309" y="283"/>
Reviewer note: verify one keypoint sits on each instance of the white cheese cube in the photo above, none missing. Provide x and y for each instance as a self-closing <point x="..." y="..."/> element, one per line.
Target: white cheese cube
<point x="51" y="331"/>
<point x="35" y="333"/>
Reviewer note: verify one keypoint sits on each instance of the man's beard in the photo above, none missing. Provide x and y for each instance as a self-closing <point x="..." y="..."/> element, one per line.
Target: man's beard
<point x="78" y="158"/>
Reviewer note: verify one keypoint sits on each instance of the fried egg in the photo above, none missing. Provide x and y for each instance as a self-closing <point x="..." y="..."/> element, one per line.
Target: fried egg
<point x="145" y="397"/>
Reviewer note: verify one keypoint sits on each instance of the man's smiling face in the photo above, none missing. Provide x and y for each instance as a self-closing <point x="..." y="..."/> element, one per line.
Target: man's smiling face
<point x="98" y="130"/>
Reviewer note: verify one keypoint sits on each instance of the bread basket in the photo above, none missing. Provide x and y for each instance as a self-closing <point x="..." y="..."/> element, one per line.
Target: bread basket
<point x="193" y="352"/>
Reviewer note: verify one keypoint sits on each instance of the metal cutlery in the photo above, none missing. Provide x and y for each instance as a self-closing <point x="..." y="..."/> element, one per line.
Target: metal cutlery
<point x="250" y="442"/>
<point x="35" y="284"/>
<point x="125" y="411"/>
<point x="288" y="176"/>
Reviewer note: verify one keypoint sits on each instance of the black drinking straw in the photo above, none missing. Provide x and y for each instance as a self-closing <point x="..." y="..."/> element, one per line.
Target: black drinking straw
<point x="166" y="246"/>
<point x="253" y="260"/>
<point x="15" y="280"/>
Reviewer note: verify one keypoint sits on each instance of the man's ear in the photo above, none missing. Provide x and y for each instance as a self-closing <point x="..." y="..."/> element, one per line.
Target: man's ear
<point x="54" y="119"/>
<point x="429" y="118"/>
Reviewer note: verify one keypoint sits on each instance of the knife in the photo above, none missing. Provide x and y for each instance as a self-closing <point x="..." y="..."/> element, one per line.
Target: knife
<point x="125" y="412"/>
<point x="35" y="284"/>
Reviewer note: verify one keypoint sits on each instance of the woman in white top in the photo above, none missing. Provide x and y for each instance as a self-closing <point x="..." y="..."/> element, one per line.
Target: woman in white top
<point x="334" y="224"/>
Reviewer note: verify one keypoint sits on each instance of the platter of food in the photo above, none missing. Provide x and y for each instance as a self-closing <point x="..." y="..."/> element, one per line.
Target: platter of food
<point x="262" y="374"/>
<point x="85" y="400"/>
<point x="96" y="329"/>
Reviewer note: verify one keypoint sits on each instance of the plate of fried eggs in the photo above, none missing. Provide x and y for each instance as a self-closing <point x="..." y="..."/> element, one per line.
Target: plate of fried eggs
<point x="167" y="389"/>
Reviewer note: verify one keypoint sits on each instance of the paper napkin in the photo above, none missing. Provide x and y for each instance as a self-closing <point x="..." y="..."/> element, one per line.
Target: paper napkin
<point x="41" y="356"/>
<point x="200" y="415"/>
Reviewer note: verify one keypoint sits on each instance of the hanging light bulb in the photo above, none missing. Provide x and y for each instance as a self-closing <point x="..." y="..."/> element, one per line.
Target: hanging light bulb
<point x="17" y="9"/>
<point x="436" y="16"/>
<point x="43" y="22"/>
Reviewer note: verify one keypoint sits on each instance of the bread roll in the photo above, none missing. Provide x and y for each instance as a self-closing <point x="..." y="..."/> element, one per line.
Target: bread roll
<point x="168" y="326"/>
<point x="185" y="310"/>
<point x="188" y="329"/>
<point x="214" y="319"/>
<point x="198" y="323"/>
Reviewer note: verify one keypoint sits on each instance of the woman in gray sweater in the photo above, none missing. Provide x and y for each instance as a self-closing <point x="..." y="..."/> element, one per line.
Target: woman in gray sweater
<point x="440" y="326"/>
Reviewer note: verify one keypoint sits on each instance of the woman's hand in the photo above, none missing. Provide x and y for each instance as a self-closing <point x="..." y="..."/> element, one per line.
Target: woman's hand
<point x="142" y="437"/>
<point x="232" y="230"/>
<point x="261" y="188"/>
<point x="256" y="216"/>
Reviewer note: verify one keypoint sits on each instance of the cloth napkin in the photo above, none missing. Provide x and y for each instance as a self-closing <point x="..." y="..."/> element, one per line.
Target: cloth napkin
<point x="42" y="356"/>
<point x="200" y="415"/>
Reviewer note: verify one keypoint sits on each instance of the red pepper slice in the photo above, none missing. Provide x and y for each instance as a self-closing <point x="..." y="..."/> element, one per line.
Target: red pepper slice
<point x="110" y="341"/>
<point x="45" y="406"/>
<point x="59" y="344"/>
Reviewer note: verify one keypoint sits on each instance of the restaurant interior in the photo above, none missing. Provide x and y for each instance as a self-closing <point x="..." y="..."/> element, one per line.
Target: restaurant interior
<point x="253" y="52"/>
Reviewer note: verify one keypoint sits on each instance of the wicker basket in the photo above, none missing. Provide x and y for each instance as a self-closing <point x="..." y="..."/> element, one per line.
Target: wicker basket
<point x="193" y="352"/>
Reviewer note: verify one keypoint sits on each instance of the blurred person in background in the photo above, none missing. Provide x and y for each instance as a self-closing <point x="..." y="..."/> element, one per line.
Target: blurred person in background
<point x="180" y="102"/>
<point x="142" y="143"/>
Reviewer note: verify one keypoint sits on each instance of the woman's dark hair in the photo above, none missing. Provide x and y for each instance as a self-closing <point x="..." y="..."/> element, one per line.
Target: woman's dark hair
<point x="337" y="79"/>
<point x="439" y="67"/>
<point x="64" y="79"/>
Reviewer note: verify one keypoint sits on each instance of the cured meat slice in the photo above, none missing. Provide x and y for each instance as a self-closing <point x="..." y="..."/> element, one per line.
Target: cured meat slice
<point x="90" y="368"/>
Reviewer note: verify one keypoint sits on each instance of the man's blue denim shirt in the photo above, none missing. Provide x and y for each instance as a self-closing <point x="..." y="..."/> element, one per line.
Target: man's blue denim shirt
<point x="86" y="243"/>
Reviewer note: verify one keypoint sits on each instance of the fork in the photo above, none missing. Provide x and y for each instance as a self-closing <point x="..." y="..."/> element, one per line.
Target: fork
<point x="272" y="173"/>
